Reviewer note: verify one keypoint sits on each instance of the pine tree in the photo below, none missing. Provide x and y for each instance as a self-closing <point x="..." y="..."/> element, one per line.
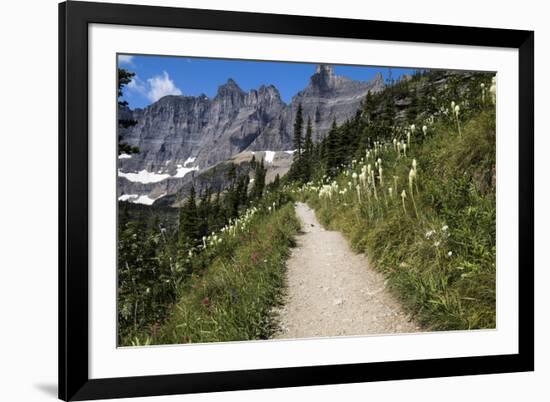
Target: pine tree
<point x="124" y="78"/>
<point x="332" y="147"/>
<point x="307" y="160"/>
<point x="189" y="223"/>
<point x="298" y="123"/>
<point x="368" y="107"/>
<point x="259" y="181"/>
<point x="276" y="182"/>
<point x="296" y="170"/>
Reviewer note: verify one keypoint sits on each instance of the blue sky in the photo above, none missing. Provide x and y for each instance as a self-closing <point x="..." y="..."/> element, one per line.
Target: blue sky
<point x="157" y="76"/>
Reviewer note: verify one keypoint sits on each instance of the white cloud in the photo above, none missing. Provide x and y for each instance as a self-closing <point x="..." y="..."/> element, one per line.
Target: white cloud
<point x="125" y="59"/>
<point x="161" y="85"/>
<point x="137" y="85"/>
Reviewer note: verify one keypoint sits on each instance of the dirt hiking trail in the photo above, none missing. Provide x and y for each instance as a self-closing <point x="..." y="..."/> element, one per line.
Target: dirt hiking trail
<point x="332" y="291"/>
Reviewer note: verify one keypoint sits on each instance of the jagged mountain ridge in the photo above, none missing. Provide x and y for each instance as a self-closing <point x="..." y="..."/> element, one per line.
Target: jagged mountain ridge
<point x="180" y="133"/>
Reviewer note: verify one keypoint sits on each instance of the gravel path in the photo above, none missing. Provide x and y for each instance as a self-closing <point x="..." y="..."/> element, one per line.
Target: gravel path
<point x="332" y="291"/>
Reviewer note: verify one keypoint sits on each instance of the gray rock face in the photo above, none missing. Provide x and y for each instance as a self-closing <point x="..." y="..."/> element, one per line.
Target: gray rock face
<point x="178" y="133"/>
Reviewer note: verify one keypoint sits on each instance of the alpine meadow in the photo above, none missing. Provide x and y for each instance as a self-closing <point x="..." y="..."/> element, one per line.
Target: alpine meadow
<point x="269" y="200"/>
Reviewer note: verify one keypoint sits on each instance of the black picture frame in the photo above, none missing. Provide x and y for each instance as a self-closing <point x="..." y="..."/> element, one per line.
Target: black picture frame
<point x="74" y="18"/>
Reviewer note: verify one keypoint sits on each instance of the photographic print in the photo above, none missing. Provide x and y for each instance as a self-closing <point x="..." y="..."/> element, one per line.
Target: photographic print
<point x="263" y="200"/>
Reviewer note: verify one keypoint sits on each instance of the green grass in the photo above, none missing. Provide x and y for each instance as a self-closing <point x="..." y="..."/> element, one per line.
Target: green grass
<point x="446" y="278"/>
<point x="233" y="298"/>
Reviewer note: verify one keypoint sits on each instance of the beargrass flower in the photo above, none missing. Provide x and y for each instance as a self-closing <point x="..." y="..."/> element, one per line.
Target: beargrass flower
<point x="425" y="129"/>
<point x="363" y="178"/>
<point x="493" y="89"/>
<point x="412" y="177"/>
<point x="457" y="112"/>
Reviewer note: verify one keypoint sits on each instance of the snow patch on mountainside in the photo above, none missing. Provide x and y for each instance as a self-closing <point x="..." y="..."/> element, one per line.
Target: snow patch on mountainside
<point x="182" y="170"/>
<point x="139" y="199"/>
<point x="269" y="155"/>
<point x="146" y="200"/>
<point x="128" y="197"/>
<point x="144" y="176"/>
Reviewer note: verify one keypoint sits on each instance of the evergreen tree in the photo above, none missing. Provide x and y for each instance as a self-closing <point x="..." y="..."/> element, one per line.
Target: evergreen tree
<point x="412" y="110"/>
<point x="205" y="210"/>
<point x="332" y="147"/>
<point x="124" y="78"/>
<point x="307" y="160"/>
<point x="297" y="138"/>
<point x="368" y="108"/>
<point x="189" y="225"/>
<point x="276" y="182"/>
<point x="259" y="181"/>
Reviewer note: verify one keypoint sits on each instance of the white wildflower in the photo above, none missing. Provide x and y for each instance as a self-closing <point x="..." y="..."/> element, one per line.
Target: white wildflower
<point x="493" y="90"/>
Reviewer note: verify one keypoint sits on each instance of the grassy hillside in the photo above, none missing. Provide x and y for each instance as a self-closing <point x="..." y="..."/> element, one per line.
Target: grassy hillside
<point x="232" y="298"/>
<point x="427" y="218"/>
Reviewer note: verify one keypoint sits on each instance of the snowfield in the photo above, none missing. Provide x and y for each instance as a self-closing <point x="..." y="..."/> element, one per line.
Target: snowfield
<point x="146" y="177"/>
<point x="269" y="155"/>
<point x="139" y="199"/>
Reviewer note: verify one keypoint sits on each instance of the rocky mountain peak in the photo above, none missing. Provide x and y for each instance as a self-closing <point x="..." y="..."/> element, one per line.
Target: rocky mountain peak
<point x="324" y="70"/>
<point x="378" y="80"/>
<point x="323" y="79"/>
<point x="229" y="88"/>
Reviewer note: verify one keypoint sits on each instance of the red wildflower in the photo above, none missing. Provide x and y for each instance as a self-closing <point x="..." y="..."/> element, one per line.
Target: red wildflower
<point x="206" y="301"/>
